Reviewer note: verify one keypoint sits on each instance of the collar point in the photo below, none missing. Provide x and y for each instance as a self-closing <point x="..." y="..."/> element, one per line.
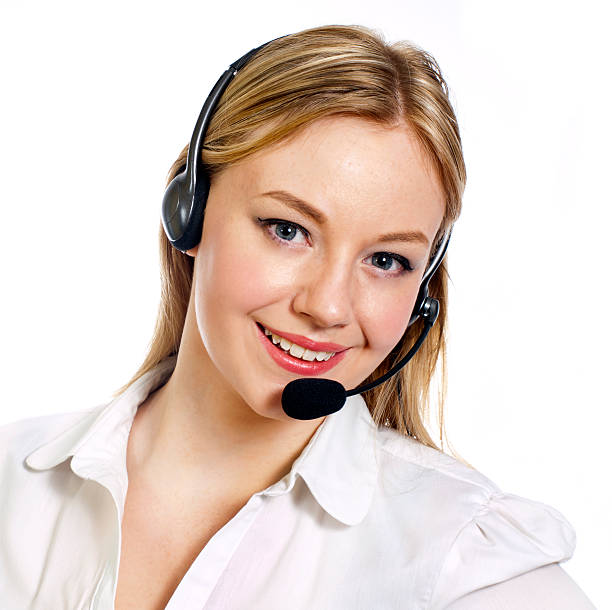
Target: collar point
<point x="38" y="460"/>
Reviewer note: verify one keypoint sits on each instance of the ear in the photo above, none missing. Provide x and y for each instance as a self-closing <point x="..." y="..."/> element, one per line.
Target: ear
<point x="193" y="251"/>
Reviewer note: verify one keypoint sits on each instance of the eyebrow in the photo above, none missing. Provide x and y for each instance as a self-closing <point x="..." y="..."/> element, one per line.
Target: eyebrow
<point x="308" y="210"/>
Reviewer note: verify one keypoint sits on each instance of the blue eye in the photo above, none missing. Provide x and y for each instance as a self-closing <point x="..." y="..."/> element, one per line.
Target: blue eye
<point x="284" y="231"/>
<point x="387" y="258"/>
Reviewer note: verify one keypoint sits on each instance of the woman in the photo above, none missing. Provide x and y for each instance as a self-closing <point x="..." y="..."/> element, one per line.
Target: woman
<point x="331" y="177"/>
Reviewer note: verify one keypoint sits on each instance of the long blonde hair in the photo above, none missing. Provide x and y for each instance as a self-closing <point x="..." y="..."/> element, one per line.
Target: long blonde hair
<point x="290" y="83"/>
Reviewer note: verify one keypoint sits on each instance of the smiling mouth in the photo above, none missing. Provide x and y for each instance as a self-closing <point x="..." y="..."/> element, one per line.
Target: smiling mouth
<point x="294" y="350"/>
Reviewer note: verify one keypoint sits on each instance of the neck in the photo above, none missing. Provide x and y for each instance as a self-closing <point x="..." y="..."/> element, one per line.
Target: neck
<point x="195" y="432"/>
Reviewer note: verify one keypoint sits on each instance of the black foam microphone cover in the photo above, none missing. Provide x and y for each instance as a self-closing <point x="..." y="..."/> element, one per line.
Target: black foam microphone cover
<point x="311" y="398"/>
<point x="314" y="397"/>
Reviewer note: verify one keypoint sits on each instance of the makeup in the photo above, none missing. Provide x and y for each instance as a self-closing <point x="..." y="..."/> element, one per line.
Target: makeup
<point x="297" y="365"/>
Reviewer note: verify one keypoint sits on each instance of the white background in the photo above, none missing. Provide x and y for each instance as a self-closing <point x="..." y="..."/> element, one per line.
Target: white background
<point x="99" y="98"/>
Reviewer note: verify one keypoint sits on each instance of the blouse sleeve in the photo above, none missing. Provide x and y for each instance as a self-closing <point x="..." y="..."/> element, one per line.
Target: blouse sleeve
<point x="545" y="588"/>
<point x="508" y="536"/>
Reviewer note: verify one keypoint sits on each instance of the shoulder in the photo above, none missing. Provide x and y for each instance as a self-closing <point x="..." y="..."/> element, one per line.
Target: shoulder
<point x="483" y="535"/>
<point x="46" y="510"/>
<point x="27" y="485"/>
<point x="404" y="461"/>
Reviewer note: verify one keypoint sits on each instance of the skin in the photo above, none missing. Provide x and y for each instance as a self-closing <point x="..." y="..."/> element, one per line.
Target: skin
<point x="216" y="431"/>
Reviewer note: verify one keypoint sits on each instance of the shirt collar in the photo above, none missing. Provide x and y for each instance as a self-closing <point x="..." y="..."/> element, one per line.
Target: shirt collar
<point x="339" y="464"/>
<point x="98" y="443"/>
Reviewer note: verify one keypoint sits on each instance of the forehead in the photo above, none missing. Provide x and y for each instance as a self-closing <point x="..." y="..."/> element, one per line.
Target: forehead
<point x="353" y="169"/>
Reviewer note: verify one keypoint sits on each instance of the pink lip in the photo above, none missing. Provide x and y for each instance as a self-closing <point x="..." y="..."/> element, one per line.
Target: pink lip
<point x="296" y="365"/>
<point x="315" y="346"/>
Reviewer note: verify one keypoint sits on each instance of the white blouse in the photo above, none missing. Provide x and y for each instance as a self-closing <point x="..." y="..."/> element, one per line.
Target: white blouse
<point x="374" y="521"/>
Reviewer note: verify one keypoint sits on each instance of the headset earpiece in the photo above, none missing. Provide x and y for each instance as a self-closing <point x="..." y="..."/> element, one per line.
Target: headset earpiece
<point x="185" y="197"/>
<point x="183" y="210"/>
<point x="423" y="305"/>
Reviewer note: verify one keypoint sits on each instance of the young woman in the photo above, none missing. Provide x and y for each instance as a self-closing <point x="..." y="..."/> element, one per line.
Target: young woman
<point x="303" y="235"/>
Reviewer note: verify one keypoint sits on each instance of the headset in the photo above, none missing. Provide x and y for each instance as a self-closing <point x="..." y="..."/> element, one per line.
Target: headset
<point x="182" y="217"/>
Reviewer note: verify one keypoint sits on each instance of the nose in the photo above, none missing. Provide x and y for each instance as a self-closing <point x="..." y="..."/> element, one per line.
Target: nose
<point x="325" y="294"/>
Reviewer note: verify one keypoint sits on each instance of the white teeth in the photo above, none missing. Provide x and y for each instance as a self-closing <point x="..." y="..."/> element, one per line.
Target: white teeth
<point x="297" y="350"/>
<point x="286" y="345"/>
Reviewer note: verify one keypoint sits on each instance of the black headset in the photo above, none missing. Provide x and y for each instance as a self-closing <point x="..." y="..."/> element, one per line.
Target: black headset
<point x="185" y="198"/>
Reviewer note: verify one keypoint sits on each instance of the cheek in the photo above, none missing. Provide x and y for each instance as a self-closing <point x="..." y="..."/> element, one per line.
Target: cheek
<point x="233" y="279"/>
<point x="387" y="320"/>
<point x="247" y="285"/>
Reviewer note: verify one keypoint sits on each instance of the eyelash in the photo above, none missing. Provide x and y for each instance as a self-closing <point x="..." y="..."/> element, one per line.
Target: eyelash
<point x="268" y="222"/>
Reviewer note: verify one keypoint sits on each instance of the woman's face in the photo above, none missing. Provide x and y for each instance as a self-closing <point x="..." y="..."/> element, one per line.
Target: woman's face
<point x="293" y="241"/>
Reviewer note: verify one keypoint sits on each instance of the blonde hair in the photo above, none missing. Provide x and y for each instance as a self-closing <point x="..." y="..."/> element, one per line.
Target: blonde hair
<point x="327" y="71"/>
